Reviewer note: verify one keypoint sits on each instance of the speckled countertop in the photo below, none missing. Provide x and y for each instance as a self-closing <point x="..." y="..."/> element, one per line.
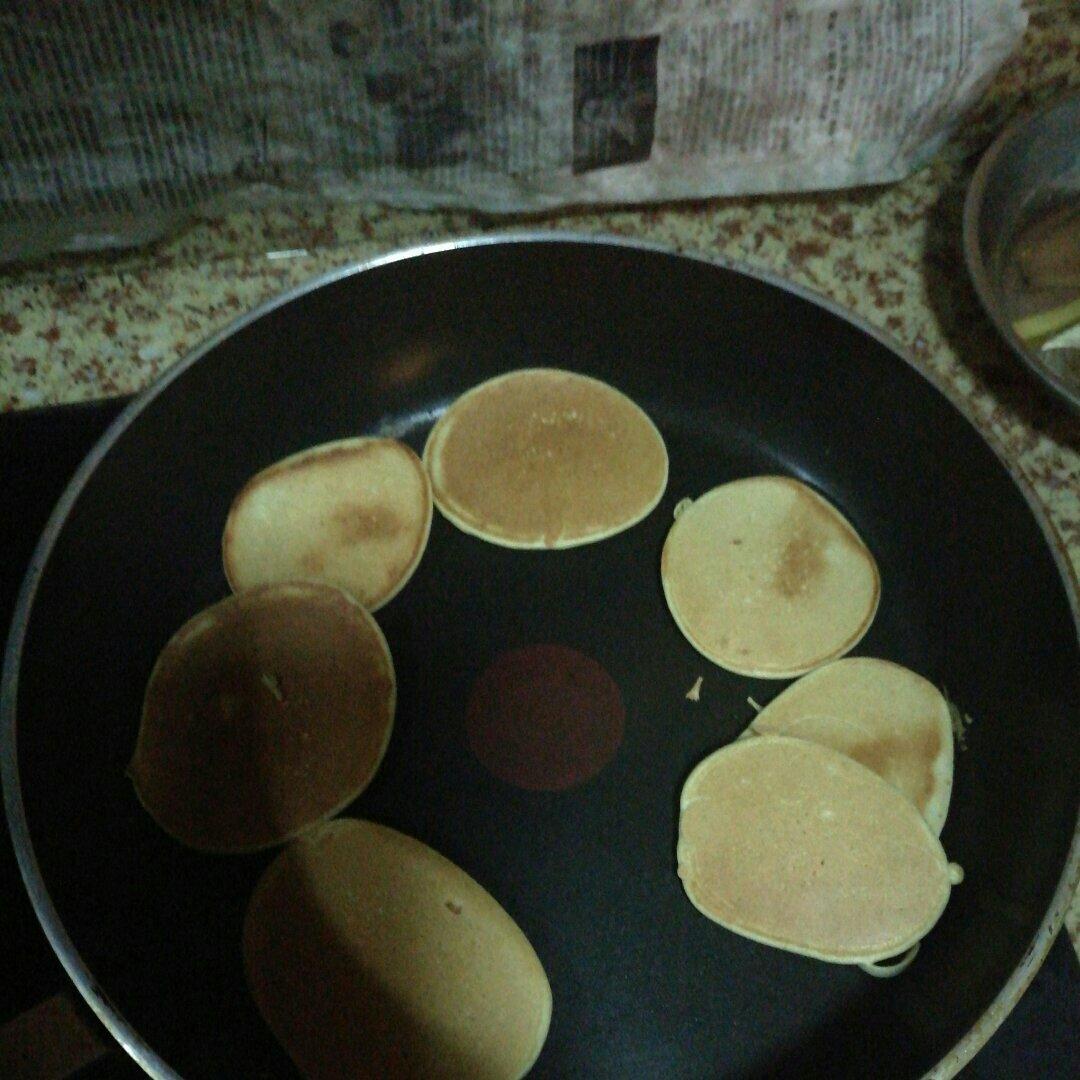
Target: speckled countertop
<point x="77" y="329"/>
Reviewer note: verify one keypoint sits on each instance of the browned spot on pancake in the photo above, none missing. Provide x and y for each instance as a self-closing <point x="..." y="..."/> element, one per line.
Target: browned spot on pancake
<point x="820" y="512"/>
<point x="305" y="462"/>
<point x="356" y="522"/>
<point x="912" y="757"/>
<point x="801" y="563"/>
<point x="312" y="562"/>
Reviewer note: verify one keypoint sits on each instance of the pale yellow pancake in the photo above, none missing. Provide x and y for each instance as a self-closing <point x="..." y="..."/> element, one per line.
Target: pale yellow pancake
<point x="881" y="714"/>
<point x="798" y="846"/>
<point x="542" y="458"/>
<point x="354" y="513"/>
<point x="265" y="713"/>
<point x="766" y="578"/>
<point x="370" y="955"/>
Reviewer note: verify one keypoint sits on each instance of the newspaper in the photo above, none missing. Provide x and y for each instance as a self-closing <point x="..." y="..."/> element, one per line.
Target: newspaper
<point x="120" y="118"/>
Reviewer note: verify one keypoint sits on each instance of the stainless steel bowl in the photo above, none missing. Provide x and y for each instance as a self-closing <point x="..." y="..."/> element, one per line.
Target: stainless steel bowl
<point x="1029" y="174"/>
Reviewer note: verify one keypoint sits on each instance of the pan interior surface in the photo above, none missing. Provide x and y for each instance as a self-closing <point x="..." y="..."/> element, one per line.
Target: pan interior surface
<point x="741" y="377"/>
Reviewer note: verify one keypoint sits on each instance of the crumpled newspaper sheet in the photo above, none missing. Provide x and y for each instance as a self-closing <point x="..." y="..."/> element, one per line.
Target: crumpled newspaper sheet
<point x="120" y="118"/>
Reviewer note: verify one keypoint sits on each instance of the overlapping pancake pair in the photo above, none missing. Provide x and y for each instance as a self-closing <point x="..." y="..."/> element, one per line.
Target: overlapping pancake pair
<point x="793" y="844"/>
<point x="882" y="715"/>
<point x="817" y="831"/>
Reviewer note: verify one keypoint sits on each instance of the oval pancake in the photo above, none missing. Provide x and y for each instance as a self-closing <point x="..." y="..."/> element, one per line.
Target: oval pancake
<point x="798" y="846"/>
<point x="886" y="717"/>
<point x="543" y="458"/>
<point x="766" y="578"/>
<point x="370" y="955"/>
<point x="355" y="513"/>
<point x="265" y="713"/>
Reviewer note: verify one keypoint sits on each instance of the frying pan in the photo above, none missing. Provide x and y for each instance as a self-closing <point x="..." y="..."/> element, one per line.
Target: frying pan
<point x="743" y="374"/>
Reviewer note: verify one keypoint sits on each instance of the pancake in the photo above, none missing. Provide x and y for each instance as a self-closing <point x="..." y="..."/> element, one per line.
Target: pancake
<point x="368" y="954"/>
<point x="354" y="513"/>
<point x="766" y="578"/>
<point x="797" y="846"/>
<point x="886" y="717"/>
<point x="541" y="458"/>
<point x="265" y="713"/>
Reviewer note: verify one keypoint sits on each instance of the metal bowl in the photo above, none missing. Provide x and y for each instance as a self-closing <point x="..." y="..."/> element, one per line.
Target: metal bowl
<point x="743" y="374"/>
<point x="1031" y="171"/>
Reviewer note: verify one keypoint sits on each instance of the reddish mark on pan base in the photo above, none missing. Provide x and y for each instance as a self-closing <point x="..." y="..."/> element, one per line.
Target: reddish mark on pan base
<point x="545" y="717"/>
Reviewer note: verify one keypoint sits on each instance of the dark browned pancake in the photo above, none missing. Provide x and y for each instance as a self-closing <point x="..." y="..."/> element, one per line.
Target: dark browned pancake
<point x="766" y="578"/>
<point x="265" y="713"/>
<point x="370" y="955"/>
<point x="354" y="513"/>
<point x="798" y="846"/>
<point x="542" y="458"/>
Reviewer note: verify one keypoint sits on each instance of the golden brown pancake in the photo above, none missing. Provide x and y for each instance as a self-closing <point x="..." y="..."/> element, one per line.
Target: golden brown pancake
<point x="881" y="714"/>
<point x="766" y="578"/>
<point x="371" y="955"/>
<point x="354" y="513"/>
<point x="542" y="458"/>
<point x="798" y="846"/>
<point x="265" y="713"/>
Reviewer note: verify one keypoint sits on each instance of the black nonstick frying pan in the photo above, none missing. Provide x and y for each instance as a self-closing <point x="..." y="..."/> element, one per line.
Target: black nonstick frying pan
<point x="743" y="375"/>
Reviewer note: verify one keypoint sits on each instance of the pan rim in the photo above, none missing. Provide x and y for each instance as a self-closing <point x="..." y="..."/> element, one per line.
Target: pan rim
<point x="62" y="945"/>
